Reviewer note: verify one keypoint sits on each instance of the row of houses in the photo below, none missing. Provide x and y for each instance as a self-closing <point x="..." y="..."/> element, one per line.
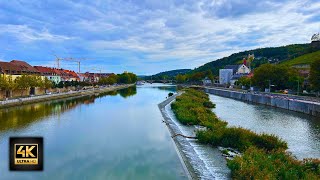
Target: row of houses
<point x="17" y="68"/>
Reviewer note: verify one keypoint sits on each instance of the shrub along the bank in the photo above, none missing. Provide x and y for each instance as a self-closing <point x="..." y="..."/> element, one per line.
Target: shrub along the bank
<point x="258" y="164"/>
<point x="194" y="108"/>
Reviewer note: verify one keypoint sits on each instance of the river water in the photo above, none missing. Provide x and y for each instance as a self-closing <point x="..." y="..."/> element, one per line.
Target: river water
<point x="118" y="135"/>
<point x="300" y="131"/>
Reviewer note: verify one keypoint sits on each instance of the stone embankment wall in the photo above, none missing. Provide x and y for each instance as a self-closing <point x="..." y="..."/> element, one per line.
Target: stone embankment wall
<point x="307" y="107"/>
<point x="28" y="100"/>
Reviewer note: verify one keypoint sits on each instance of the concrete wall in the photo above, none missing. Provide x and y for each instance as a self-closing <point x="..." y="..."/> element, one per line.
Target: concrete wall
<point x="307" y="107"/>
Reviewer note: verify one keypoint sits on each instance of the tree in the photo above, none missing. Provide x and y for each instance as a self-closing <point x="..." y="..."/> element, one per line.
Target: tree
<point x="315" y="75"/>
<point x="46" y="84"/>
<point x="282" y="77"/>
<point x="244" y="81"/>
<point x="112" y="79"/>
<point x="133" y="77"/>
<point x="210" y="75"/>
<point x="3" y="82"/>
<point x="181" y="78"/>
<point x="23" y="83"/>
<point x="198" y="76"/>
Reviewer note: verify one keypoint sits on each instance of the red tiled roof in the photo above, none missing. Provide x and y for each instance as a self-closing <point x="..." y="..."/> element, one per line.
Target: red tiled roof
<point x="6" y="66"/>
<point x="72" y="74"/>
<point x="45" y="70"/>
<point x="25" y="67"/>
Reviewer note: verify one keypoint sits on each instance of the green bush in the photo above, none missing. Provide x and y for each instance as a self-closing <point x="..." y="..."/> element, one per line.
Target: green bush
<point x="258" y="164"/>
<point x="209" y="104"/>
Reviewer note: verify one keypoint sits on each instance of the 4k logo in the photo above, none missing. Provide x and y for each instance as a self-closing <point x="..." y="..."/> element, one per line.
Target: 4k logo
<point x="26" y="153"/>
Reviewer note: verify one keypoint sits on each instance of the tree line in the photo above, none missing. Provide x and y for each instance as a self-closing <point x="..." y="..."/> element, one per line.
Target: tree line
<point x="194" y="77"/>
<point x="124" y="78"/>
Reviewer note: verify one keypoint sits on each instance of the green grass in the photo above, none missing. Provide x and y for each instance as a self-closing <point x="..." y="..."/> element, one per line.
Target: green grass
<point x="304" y="59"/>
<point x="263" y="156"/>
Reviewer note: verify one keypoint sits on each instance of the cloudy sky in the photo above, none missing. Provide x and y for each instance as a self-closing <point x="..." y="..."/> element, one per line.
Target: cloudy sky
<point x="149" y="36"/>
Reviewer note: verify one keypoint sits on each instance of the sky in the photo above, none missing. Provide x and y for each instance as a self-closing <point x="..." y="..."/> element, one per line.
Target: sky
<point x="148" y="36"/>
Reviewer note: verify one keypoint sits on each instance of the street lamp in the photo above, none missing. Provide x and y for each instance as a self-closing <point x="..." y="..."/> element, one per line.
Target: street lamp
<point x="298" y="87"/>
<point x="270" y="85"/>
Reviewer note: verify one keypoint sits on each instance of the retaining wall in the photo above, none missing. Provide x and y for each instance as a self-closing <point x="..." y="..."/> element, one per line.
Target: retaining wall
<point x="307" y="107"/>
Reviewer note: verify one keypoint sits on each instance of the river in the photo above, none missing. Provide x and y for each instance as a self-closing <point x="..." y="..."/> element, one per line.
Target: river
<point x="120" y="135"/>
<point x="300" y="131"/>
<point x="117" y="135"/>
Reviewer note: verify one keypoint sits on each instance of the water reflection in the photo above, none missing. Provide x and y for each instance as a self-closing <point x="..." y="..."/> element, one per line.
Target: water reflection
<point x="131" y="91"/>
<point x="22" y="116"/>
<point x="104" y="137"/>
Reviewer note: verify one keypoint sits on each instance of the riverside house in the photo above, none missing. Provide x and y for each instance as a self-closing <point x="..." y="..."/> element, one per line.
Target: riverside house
<point x="49" y="73"/>
<point x="231" y="73"/>
<point x="14" y="69"/>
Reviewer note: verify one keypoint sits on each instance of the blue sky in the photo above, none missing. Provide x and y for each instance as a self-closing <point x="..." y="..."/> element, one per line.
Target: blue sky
<point x="149" y="36"/>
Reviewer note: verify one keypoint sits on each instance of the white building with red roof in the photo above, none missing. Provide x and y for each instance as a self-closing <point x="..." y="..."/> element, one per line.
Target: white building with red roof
<point x="49" y="73"/>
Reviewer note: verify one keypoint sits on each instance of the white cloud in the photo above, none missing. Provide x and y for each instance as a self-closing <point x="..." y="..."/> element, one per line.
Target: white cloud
<point x="27" y="34"/>
<point x="186" y="33"/>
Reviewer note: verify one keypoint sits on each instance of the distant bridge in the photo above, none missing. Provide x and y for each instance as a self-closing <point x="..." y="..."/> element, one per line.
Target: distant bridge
<point x="160" y="81"/>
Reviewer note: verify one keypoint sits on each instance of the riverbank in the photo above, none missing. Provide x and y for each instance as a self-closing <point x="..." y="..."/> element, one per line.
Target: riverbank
<point x="189" y="170"/>
<point x="189" y="151"/>
<point x="263" y="155"/>
<point x="283" y="102"/>
<point x="42" y="98"/>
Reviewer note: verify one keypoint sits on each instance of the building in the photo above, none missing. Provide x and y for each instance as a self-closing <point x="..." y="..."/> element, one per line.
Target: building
<point x="71" y="75"/>
<point x="63" y="75"/>
<point x="25" y="67"/>
<point x="49" y="73"/>
<point x="225" y="76"/>
<point x="9" y="69"/>
<point x="16" y="68"/>
<point x="92" y="77"/>
<point x="231" y="73"/>
<point x="206" y="81"/>
<point x="239" y="69"/>
<point x="83" y="77"/>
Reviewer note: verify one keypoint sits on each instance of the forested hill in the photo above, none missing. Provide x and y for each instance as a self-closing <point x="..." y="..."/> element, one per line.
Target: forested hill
<point x="168" y="74"/>
<point x="263" y="55"/>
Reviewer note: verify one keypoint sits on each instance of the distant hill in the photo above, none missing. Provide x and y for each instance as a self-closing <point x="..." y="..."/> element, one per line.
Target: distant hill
<point x="304" y="59"/>
<point x="263" y="55"/>
<point x="168" y="74"/>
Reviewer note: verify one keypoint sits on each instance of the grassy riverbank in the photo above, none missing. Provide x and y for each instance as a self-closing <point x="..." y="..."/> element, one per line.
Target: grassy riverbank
<point x="264" y="155"/>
